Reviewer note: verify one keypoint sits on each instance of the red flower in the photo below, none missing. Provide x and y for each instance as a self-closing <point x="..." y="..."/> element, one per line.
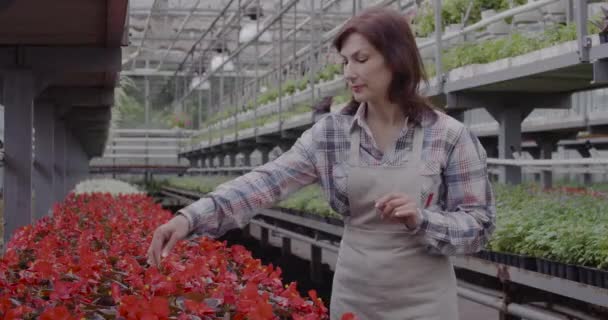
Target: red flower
<point x="56" y="313"/>
<point x="348" y="316"/>
<point x="198" y="308"/>
<point x="92" y="252"/>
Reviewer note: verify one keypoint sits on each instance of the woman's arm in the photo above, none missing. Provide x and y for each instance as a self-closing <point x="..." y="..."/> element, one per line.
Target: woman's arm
<point x="232" y="204"/>
<point x="469" y="217"/>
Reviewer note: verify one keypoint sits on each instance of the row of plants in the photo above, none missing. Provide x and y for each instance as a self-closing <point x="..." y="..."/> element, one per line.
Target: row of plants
<point x="560" y="226"/>
<point x="197" y="184"/>
<point x="309" y="199"/>
<point x="454" y="12"/>
<point x="564" y="224"/>
<point x="259" y="122"/>
<point x="513" y="45"/>
<point x="88" y="261"/>
<point x="129" y="111"/>
<point x="289" y="87"/>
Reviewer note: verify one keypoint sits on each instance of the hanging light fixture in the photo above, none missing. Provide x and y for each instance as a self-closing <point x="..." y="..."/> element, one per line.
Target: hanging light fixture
<point x="196" y="84"/>
<point x="219" y="57"/>
<point x="249" y="29"/>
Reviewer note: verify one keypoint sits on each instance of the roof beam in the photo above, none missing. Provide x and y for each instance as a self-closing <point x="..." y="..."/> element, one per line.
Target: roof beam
<point x="78" y="96"/>
<point x="179" y="31"/>
<point x="151" y="73"/>
<point x="141" y="43"/>
<point x="210" y="12"/>
<point x="61" y="59"/>
<point x="117" y="23"/>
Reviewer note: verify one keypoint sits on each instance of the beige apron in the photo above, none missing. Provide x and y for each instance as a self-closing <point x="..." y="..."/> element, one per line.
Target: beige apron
<point x="383" y="273"/>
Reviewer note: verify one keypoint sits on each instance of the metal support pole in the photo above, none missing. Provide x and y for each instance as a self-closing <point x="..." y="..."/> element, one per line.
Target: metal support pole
<point x="175" y="100"/>
<point x="147" y="124"/>
<point x="247" y="157"/>
<point x="44" y="124"/>
<point x="438" y="32"/>
<point x="113" y="158"/>
<point x="73" y="160"/>
<point x="569" y="11"/>
<point x="264" y="238"/>
<point x="265" y="154"/>
<point x="584" y="43"/>
<point x="286" y="247"/>
<point x="257" y="78"/>
<point x="78" y="162"/>
<point x="238" y="83"/>
<point x="311" y="54"/>
<point x="232" y="157"/>
<point x="546" y="152"/>
<point x="19" y="120"/>
<point x="221" y="101"/>
<point x="316" y="263"/>
<point x="509" y="139"/>
<point x="60" y="165"/>
<point x="200" y="96"/>
<point x="220" y="158"/>
<point x="280" y="68"/>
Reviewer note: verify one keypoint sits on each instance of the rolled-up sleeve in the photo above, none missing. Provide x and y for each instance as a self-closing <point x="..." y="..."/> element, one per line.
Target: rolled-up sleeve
<point x="232" y="204"/>
<point x="467" y="219"/>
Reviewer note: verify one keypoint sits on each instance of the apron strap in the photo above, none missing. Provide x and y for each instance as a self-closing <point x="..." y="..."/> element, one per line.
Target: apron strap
<point x="355" y="142"/>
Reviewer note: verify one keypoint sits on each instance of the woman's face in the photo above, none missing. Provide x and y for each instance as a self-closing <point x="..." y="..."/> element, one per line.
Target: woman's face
<point x="365" y="70"/>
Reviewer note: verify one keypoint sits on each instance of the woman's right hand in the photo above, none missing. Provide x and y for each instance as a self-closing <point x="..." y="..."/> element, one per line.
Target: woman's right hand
<point x="165" y="237"/>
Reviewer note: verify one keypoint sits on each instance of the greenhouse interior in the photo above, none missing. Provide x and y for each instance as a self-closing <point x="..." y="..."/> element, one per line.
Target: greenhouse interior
<point x="118" y="115"/>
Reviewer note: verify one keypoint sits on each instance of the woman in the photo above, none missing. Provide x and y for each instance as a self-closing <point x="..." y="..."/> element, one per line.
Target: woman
<point x="410" y="182"/>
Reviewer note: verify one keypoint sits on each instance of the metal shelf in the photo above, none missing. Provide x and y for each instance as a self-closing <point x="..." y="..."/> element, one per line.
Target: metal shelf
<point x="571" y="289"/>
<point x="564" y="287"/>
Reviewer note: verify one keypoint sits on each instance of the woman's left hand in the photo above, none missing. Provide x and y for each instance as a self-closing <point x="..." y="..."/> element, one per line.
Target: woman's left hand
<point x="399" y="206"/>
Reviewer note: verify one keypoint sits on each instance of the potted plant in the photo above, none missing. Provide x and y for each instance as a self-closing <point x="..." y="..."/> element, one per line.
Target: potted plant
<point x="602" y="25"/>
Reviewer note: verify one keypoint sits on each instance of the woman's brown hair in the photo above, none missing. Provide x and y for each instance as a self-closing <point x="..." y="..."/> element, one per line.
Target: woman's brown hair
<point x="390" y="33"/>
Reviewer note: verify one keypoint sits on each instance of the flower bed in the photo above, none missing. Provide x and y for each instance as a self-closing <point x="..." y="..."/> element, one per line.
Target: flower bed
<point x="308" y="201"/>
<point x="88" y="261"/>
<point x="112" y="186"/>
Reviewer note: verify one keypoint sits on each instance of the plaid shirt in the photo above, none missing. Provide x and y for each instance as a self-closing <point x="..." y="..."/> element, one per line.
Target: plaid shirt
<point x="458" y="221"/>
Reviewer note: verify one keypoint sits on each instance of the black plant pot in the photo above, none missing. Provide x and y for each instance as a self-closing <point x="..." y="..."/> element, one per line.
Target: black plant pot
<point x="605" y="278"/>
<point x="527" y="263"/>
<point x="503" y="258"/>
<point x="603" y="37"/>
<point x="489" y="255"/>
<point x="554" y="271"/>
<point x="313" y="216"/>
<point x="335" y="221"/>
<point x="592" y="276"/>
<point x="572" y="272"/>
<point x="512" y="260"/>
<point x="483" y="254"/>
<point x="583" y="275"/>
<point x="546" y="267"/>
<point x="497" y="257"/>
<point x="598" y="278"/>
<point x="539" y="265"/>
<point x="561" y="270"/>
